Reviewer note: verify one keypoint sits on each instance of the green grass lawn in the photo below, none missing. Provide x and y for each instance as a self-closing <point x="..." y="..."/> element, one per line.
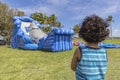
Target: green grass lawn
<point x="18" y="64"/>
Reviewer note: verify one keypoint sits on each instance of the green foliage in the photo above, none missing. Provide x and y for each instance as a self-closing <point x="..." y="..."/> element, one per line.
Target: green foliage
<point x="46" y="29"/>
<point x="46" y="21"/>
<point x="109" y="19"/>
<point x="76" y="28"/>
<point x="39" y="17"/>
<point x="6" y="23"/>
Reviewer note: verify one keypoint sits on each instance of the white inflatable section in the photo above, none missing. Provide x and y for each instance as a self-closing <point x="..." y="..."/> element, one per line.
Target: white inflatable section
<point x="23" y="25"/>
<point x="35" y="32"/>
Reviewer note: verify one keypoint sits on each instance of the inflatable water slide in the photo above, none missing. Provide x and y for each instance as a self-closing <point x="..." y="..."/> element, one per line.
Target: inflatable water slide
<point x="27" y="34"/>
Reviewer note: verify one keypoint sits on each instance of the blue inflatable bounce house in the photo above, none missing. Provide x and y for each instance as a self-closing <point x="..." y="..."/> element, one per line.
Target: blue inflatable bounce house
<point x="27" y="34"/>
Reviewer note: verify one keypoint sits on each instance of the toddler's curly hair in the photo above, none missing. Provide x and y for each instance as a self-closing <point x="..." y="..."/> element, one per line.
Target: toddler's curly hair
<point x="94" y="29"/>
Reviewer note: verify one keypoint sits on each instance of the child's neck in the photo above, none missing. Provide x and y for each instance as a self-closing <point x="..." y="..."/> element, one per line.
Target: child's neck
<point x="93" y="45"/>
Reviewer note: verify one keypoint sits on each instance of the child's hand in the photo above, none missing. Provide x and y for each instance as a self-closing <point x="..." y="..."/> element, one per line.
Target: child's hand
<point x="75" y="43"/>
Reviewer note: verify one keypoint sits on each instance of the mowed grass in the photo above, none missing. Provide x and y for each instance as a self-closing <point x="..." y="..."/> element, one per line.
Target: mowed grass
<point x="16" y="64"/>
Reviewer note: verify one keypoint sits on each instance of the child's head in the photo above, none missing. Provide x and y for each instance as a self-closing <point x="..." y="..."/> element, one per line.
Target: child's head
<point x="93" y="29"/>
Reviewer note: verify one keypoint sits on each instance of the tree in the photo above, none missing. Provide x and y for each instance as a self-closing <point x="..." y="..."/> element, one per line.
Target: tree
<point x="42" y="18"/>
<point x="47" y="22"/>
<point x="110" y="20"/>
<point x="18" y="12"/>
<point x="76" y="28"/>
<point x="6" y="23"/>
<point x="46" y="29"/>
<point x="58" y="24"/>
<point x="52" y="19"/>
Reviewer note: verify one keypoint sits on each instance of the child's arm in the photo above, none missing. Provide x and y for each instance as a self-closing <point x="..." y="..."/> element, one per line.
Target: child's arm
<point x="76" y="57"/>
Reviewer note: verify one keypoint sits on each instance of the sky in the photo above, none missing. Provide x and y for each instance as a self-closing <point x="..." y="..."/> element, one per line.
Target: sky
<point x="71" y="12"/>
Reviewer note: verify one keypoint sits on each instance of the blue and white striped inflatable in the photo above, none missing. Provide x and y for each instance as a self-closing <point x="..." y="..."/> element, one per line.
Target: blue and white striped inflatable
<point x="58" y="39"/>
